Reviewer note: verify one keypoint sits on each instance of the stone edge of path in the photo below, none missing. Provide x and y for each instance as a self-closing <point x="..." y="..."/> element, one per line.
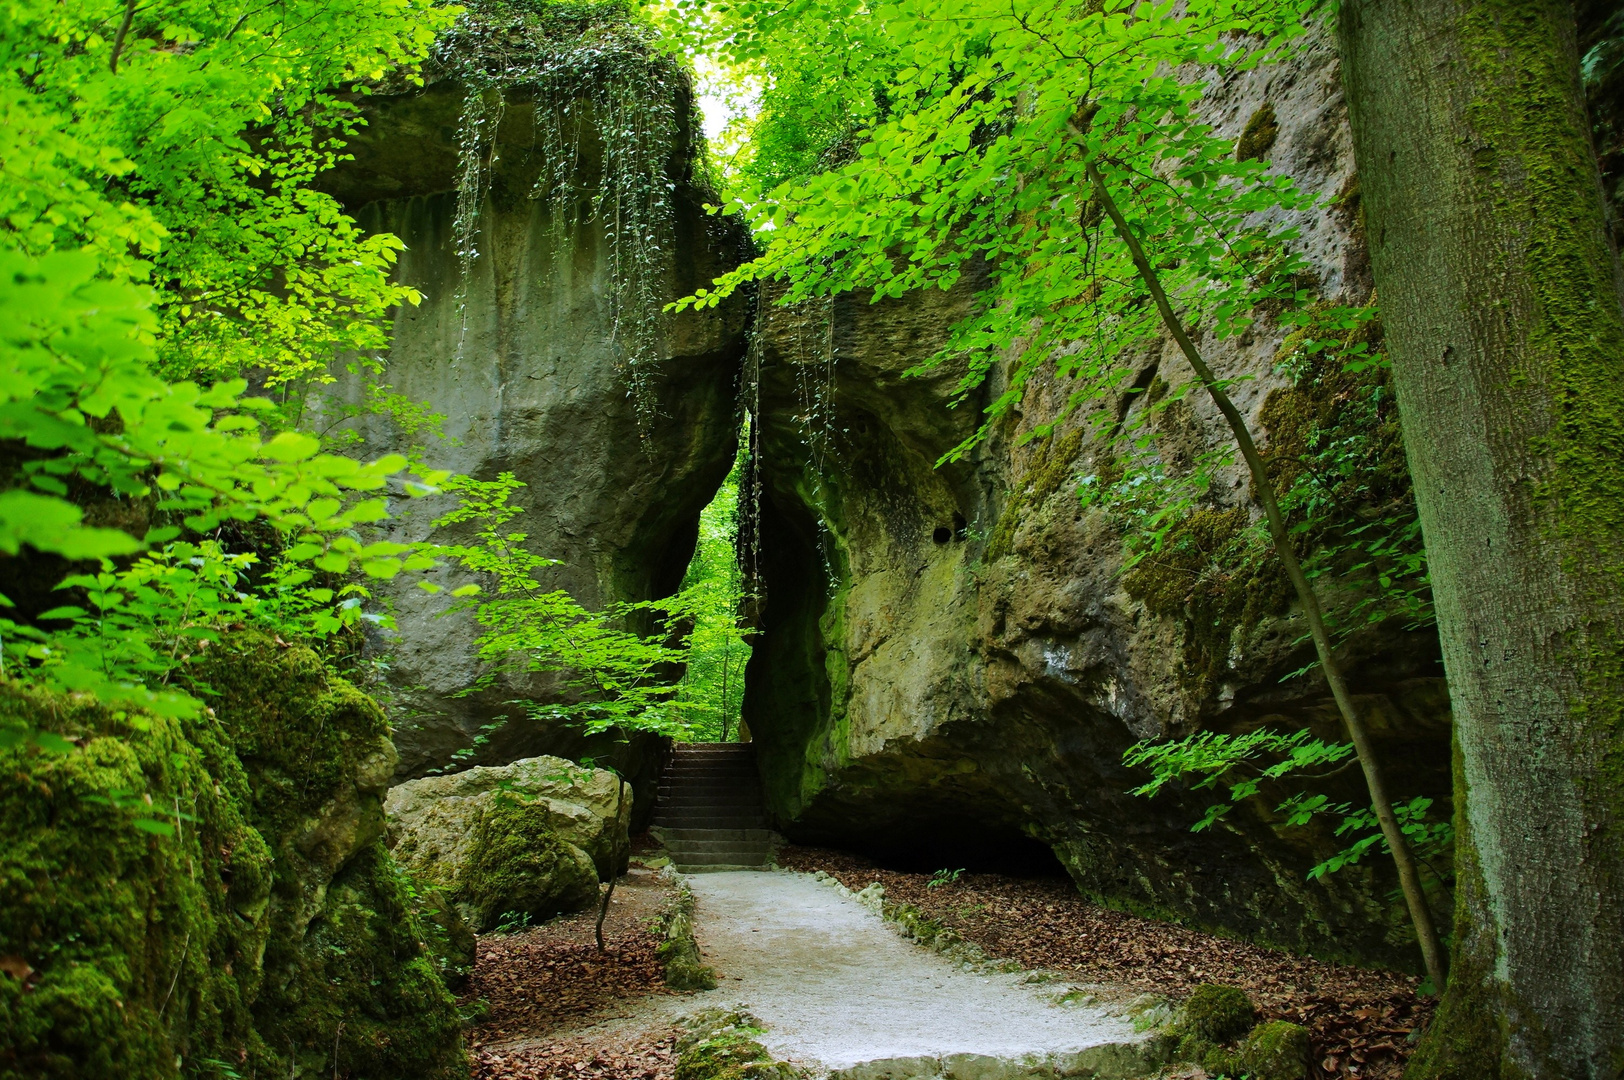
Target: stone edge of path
<point x="1150" y="1014"/>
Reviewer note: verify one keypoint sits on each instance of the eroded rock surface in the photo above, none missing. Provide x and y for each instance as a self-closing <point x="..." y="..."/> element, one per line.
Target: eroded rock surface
<point x="524" y="348"/>
<point x="950" y="660"/>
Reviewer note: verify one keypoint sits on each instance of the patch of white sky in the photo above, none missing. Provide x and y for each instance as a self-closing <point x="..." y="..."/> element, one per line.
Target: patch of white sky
<point x="728" y="101"/>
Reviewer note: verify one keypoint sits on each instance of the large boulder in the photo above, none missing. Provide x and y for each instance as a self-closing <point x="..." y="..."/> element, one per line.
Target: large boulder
<point x="433" y="822"/>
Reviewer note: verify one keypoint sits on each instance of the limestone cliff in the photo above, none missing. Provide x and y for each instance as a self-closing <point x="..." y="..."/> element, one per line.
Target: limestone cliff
<point x="547" y="187"/>
<point x="952" y="657"/>
<point x="952" y="660"/>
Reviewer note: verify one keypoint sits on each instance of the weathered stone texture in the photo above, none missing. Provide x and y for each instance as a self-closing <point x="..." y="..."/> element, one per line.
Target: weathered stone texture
<point x="530" y="382"/>
<point x="950" y="661"/>
<point x="431" y="820"/>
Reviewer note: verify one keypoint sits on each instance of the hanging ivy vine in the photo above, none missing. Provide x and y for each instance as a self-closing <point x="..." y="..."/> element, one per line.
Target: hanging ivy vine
<point x="608" y="113"/>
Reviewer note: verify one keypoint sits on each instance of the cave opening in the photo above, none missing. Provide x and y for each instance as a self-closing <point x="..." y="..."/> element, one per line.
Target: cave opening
<point x="883" y="809"/>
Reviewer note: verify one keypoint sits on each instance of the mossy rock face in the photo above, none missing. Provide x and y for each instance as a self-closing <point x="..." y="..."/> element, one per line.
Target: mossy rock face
<point x="135" y="946"/>
<point x="1276" y="1050"/>
<point x="1219" y="1014"/>
<point x="517" y="865"/>
<point x="364" y="992"/>
<point x="176" y="913"/>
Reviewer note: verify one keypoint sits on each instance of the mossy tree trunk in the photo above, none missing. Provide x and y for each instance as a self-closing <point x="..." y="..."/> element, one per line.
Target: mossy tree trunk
<point x="1500" y="296"/>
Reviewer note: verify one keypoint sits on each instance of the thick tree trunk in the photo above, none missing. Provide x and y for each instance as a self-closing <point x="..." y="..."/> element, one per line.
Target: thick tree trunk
<point x="1500" y="296"/>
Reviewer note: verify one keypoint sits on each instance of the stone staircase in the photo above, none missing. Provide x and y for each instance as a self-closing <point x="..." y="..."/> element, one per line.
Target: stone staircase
<point x="709" y="814"/>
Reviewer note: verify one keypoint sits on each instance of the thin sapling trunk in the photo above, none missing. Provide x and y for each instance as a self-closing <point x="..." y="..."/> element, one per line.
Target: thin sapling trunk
<point x="614" y="860"/>
<point x="1409" y="878"/>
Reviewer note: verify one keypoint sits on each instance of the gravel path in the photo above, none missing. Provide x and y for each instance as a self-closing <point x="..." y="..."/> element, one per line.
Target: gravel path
<point x="835" y="986"/>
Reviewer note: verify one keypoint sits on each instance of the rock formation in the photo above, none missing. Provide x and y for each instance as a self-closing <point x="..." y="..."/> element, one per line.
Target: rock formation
<point x="434" y="822"/>
<point x="540" y="336"/>
<point x="950" y="660"/>
<point x="240" y="908"/>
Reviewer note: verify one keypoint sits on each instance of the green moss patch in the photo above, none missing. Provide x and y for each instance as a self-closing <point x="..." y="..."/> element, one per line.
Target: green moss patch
<point x="1219" y="1014"/>
<point x="684" y="969"/>
<point x="1259" y="135"/>
<point x="722" y="1046"/>
<point x="210" y="897"/>
<point x="141" y="950"/>
<point x="517" y="865"/>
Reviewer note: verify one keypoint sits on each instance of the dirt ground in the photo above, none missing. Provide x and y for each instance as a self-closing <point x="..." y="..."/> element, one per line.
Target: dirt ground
<point x="554" y="999"/>
<point x="1362" y="1021"/>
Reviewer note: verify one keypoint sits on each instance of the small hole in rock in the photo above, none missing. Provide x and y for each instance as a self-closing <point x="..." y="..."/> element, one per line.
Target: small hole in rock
<point x="942" y="534"/>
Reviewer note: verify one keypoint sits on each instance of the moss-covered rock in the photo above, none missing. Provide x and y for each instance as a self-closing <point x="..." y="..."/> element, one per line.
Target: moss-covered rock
<point x="1219" y="1014"/>
<point x="349" y="977"/>
<point x="363" y="994"/>
<point x="210" y="897"/>
<point x="722" y="1046"/>
<point x="431" y="820"/>
<point x="684" y="969"/>
<point x="132" y="896"/>
<point x="1258" y="138"/>
<point x="1276" y="1050"/>
<point x="517" y="865"/>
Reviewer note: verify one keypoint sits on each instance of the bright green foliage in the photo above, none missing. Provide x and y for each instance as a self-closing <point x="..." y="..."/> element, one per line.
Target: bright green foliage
<point x="147" y="232"/>
<point x="138" y="626"/>
<point x="1244" y="763"/>
<point x="711" y="692"/>
<point x="995" y="112"/>
<point x="615" y="674"/>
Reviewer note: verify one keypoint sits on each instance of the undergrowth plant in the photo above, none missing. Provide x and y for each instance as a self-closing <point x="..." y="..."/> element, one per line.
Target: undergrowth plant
<point x="1243" y="764"/>
<point x="614" y="677"/>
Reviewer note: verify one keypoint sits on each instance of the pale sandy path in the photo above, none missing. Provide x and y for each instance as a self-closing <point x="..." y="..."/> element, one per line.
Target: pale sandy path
<point x="835" y="986"/>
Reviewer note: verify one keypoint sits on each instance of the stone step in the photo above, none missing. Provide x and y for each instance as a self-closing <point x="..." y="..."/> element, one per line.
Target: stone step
<point x="711" y="821"/>
<point x="719" y="858"/>
<point x="727" y="798"/>
<point x="680" y="836"/>
<point x="691" y="846"/>
<point x="720" y="868"/>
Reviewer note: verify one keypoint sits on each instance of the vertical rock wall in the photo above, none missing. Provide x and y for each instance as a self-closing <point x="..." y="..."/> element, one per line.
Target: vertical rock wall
<point x="951" y="664"/>
<point x="515" y="348"/>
